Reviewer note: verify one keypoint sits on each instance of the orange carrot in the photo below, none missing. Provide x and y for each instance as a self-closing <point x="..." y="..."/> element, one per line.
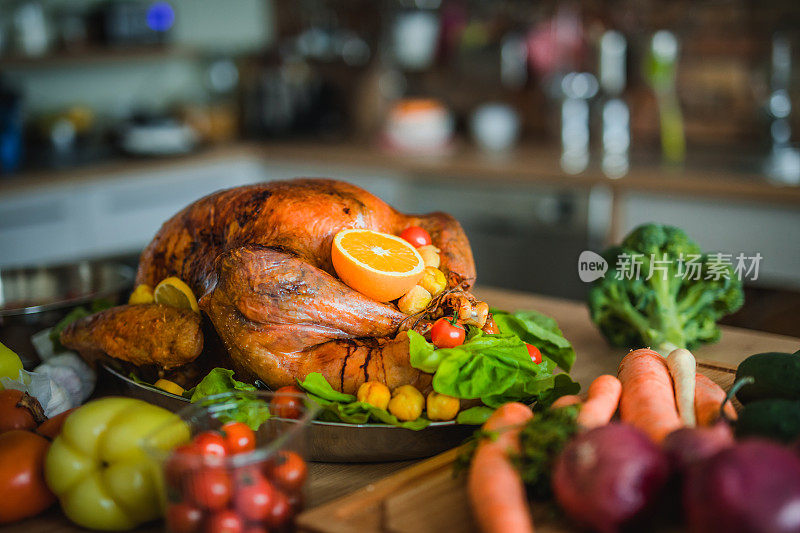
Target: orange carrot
<point x="648" y="400"/>
<point x="495" y="489"/>
<point x="601" y="403"/>
<point x="708" y="397"/>
<point x="563" y="401"/>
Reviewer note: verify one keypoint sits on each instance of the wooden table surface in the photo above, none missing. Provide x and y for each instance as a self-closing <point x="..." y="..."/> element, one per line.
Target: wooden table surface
<point x="594" y="357"/>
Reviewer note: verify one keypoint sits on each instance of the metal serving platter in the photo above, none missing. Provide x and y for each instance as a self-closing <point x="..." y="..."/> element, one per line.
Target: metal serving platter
<point x="336" y="442"/>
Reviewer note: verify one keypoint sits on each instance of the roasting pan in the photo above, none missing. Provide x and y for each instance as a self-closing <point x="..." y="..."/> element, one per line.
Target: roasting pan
<point x="335" y="442"/>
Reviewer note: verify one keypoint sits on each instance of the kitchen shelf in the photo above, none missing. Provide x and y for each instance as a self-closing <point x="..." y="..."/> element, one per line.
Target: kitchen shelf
<point x="95" y="54"/>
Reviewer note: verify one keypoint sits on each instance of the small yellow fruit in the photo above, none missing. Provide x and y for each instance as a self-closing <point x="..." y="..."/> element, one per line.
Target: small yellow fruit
<point x="142" y="294"/>
<point x="169" y="386"/>
<point x="406" y="403"/>
<point x="433" y="280"/>
<point x="374" y="393"/>
<point x="414" y="301"/>
<point x="430" y="255"/>
<point x="442" y="407"/>
<point x="175" y="293"/>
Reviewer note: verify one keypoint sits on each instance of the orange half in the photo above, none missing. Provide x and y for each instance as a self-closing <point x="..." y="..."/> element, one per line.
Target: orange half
<point x="381" y="266"/>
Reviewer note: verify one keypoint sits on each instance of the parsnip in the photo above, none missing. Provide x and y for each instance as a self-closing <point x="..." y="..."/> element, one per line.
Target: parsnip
<point x="683" y="367"/>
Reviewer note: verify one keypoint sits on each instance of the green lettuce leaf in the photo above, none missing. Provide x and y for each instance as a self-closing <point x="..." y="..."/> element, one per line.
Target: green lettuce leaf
<point x="541" y="331"/>
<point x="251" y="411"/>
<point x="474" y="416"/>
<point x="316" y="384"/>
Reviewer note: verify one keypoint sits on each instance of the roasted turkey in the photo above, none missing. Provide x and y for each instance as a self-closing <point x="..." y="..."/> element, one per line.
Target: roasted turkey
<point x="259" y="259"/>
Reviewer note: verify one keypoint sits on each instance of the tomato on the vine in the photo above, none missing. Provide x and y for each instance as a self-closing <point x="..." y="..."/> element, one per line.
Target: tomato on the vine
<point x="447" y="334"/>
<point x="536" y="355"/>
<point x="239" y="438"/>
<point x="211" y="443"/>
<point x="288" y="471"/>
<point x="287" y="403"/>
<point x="416" y="235"/>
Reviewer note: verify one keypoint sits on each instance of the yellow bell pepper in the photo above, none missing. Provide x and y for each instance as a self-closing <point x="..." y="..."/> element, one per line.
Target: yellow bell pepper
<point x="99" y="470"/>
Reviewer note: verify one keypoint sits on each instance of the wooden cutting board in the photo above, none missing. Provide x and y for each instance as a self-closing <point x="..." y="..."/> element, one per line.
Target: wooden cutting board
<point x="427" y="498"/>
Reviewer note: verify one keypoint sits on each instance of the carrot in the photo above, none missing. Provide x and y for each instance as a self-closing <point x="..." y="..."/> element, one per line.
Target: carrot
<point x="601" y="403"/>
<point x="647" y="400"/>
<point x="708" y="397"/>
<point x="563" y="401"/>
<point x="683" y="367"/>
<point x="495" y="488"/>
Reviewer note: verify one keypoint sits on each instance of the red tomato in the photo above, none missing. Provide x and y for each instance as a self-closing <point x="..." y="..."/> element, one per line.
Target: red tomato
<point x="209" y="488"/>
<point x="183" y="518"/>
<point x="224" y="522"/>
<point x="211" y="443"/>
<point x="19" y="410"/>
<point x="445" y="334"/>
<point x="288" y="471"/>
<point x="536" y="355"/>
<point x="51" y="427"/>
<point x="254" y="495"/>
<point x="181" y="462"/>
<point x="280" y="512"/>
<point x="286" y="403"/>
<point x="255" y="529"/>
<point x="239" y="438"/>
<point x="22" y="486"/>
<point x="416" y="236"/>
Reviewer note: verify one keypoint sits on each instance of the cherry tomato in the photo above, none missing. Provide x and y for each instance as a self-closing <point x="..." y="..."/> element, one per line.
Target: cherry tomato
<point x="254" y="495"/>
<point x="180" y="463"/>
<point x="209" y="488"/>
<point x="183" y="518"/>
<point x="211" y="443"/>
<point x="224" y="522"/>
<point x="22" y="485"/>
<point x="416" y="236"/>
<point x="286" y="403"/>
<point x="445" y="334"/>
<point x="288" y="471"/>
<point x="280" y="512"/>
<point x="239" y="438"/>
<point x="534" y="352"/>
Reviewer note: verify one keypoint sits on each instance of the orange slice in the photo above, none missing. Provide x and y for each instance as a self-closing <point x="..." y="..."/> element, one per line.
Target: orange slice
<point x="381" y="266"/>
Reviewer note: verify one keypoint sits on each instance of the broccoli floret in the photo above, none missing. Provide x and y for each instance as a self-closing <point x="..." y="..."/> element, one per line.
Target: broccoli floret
<point x="678" y="306"/>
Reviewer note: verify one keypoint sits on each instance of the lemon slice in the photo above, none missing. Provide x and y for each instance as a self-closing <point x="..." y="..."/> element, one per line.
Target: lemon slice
<point x="142" y="294"/>
<point x="175" y="293"/>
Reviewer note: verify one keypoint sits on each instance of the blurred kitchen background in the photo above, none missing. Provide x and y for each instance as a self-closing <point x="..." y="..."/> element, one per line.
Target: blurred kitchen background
<point x="546" y="128"/>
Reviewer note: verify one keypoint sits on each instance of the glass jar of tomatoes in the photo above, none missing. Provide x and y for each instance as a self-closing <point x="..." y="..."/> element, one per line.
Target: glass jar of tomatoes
<point x="244" y="469"/>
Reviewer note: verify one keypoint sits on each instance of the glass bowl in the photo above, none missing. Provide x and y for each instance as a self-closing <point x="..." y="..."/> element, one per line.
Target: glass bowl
<point x="262" y="489"/>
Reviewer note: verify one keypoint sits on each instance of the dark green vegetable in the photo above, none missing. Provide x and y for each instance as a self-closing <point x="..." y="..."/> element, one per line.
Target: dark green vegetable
<point x="678" y="306"/>
<point x="775" y="375"/>
<point x="541" y="331"/>
<point x="777" y="419"/>
<point x="541" y="440"/>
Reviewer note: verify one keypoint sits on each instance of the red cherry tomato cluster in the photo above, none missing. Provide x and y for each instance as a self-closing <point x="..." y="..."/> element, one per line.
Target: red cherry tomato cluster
<point x="416" y="236"/>
<point x="208" y="496"/>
